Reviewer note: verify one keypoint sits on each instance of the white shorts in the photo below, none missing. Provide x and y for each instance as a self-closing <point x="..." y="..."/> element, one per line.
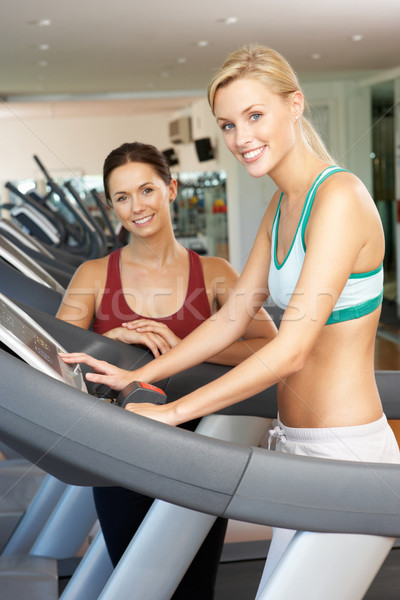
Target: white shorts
<point x="373" y="442"/>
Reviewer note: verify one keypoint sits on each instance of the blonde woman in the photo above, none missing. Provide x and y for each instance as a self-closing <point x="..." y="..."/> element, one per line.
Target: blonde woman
<point x="318" y="254"/>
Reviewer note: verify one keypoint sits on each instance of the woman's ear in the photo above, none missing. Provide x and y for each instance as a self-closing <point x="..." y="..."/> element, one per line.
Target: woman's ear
<point x="297" y="104"/>
<point x="173" y="190"/>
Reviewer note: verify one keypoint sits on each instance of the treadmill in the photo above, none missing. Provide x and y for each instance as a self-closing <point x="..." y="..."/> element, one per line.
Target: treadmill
<point x="24" y="263"/>
<point x="25" y="338"/>
<point x="9" y="228"/>
<point x="85" y="441"/>
<point x="92" y="244"/>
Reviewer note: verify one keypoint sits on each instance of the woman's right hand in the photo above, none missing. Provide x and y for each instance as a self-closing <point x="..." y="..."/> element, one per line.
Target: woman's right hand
<point x="105" y="373"/>
<point x="149" y="326"/>
<point x="155" y="342"/>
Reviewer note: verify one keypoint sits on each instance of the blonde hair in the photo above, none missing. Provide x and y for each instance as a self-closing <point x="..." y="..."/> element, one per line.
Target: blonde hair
<point x="272" y="69"/>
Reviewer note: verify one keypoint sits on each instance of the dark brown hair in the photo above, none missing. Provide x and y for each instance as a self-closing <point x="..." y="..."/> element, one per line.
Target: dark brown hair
<point x="135" y="152"/>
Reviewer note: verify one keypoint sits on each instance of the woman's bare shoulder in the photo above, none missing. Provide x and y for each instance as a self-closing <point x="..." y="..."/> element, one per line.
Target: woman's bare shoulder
<point x="216" y="266"/>
<point x="90" y="270"/>
<point x="342" y="186"/>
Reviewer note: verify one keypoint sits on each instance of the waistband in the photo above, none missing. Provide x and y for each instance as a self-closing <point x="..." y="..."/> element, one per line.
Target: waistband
<point x="327" y="434"/>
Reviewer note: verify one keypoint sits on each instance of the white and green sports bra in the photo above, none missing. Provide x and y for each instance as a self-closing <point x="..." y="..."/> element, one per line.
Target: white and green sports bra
<point x="362" y="293"/>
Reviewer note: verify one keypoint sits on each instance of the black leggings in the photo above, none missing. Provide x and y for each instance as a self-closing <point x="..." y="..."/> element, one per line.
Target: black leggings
<point x="120" y="513"/>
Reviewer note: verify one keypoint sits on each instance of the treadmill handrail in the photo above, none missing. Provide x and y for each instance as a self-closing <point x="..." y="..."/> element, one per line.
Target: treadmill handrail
<point x="95" y="250"/>
<point x="102" y="240"/>
<point x="24" y="263"/>
<point x="24" y="238"/>
<point x="100" y="204"/>
<point x="85" y="441"/>
<point x="52" y="219"/>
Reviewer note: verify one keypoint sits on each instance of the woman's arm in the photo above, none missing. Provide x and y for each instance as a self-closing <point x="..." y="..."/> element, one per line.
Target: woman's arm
<point x="344" y="236"/>
<point x="211" y="337"/>
<point x="78" y="305"/>
<point x="220" y="278"/>
<point x="82" y="298"/>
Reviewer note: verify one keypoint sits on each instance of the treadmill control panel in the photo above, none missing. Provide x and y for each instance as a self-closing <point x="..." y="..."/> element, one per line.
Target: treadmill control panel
<point x="20" y="333"/>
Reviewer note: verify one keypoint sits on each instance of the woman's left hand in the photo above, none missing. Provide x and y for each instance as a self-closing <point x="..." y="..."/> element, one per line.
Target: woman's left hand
<point x="149" y="326"/>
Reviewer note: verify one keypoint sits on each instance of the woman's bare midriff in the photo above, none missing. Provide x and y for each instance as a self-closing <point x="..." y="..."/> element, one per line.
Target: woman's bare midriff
<point x="336" y="387"/>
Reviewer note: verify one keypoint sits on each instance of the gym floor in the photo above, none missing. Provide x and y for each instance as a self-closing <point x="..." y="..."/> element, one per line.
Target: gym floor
<point x="238" y="578"/>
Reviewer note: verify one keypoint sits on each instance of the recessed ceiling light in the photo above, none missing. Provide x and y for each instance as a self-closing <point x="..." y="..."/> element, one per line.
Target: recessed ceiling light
<point x="181" y="60"/>
<point x="44" y="46"/>
<point x="202" y="43"/>
<point x="43" y="63"/>
<point x="315" y="56"/>
<point x="357" y="37"/>
<point x="228" y="20"/>
<point x="40" y="22"/>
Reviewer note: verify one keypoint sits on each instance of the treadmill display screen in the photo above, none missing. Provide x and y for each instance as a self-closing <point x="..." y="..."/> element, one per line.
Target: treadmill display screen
<point x="29" y="341"/>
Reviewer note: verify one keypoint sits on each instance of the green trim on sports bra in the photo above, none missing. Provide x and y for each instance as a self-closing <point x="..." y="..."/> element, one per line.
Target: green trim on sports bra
<point x="277" y="216"/>
<point x="305" y="213"/>
<point x="310" y="202"/>
<point x="367" y="273"/>
<point x="355" y="312"/>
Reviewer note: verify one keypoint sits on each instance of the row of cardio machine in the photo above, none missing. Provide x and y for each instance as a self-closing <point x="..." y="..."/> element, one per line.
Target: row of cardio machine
<point x="62" y="435"/>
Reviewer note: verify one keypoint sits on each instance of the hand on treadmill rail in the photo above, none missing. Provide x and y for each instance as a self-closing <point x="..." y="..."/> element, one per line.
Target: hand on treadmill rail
<point x="162" y="413"/>
<point x="105" y="373"/>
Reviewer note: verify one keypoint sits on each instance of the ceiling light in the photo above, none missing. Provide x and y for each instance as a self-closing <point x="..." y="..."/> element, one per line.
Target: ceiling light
<point x="181" y="60"/>
<point x="44" y="46"/>
<point x="357" y="37"/>
<point x="40" y="23"/>
<point x="228" y="20"/>
<point x="202" y="43"/>
<point x="315" y="56"/>
<point x="43" y="63"/>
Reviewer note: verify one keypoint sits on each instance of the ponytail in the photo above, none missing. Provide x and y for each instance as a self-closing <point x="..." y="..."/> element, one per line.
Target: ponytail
<point x="313" y="141"/>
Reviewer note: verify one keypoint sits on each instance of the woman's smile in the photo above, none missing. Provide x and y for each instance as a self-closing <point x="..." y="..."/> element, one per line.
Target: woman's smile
<point x="253" y="155"/>
<point x="143" y="221"/>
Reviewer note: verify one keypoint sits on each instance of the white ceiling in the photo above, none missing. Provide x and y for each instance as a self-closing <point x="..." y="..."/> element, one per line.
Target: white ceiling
<point x="127" y="48"/>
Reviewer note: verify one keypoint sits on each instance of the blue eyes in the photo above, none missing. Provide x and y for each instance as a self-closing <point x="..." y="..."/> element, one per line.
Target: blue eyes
<point x="230" y="126"/>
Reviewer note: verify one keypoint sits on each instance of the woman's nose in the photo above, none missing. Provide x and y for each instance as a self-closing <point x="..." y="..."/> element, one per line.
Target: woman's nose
<point x="137" y="204"/>
<point x="243" y="136"/>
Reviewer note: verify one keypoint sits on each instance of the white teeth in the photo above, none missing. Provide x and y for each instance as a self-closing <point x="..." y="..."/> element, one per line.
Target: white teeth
<point x="141" y="221"/>
<point x="253" y="153"/>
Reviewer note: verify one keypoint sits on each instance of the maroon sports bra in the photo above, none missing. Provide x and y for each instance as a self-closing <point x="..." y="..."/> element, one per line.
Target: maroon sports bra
<point x="114" y="310"/>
